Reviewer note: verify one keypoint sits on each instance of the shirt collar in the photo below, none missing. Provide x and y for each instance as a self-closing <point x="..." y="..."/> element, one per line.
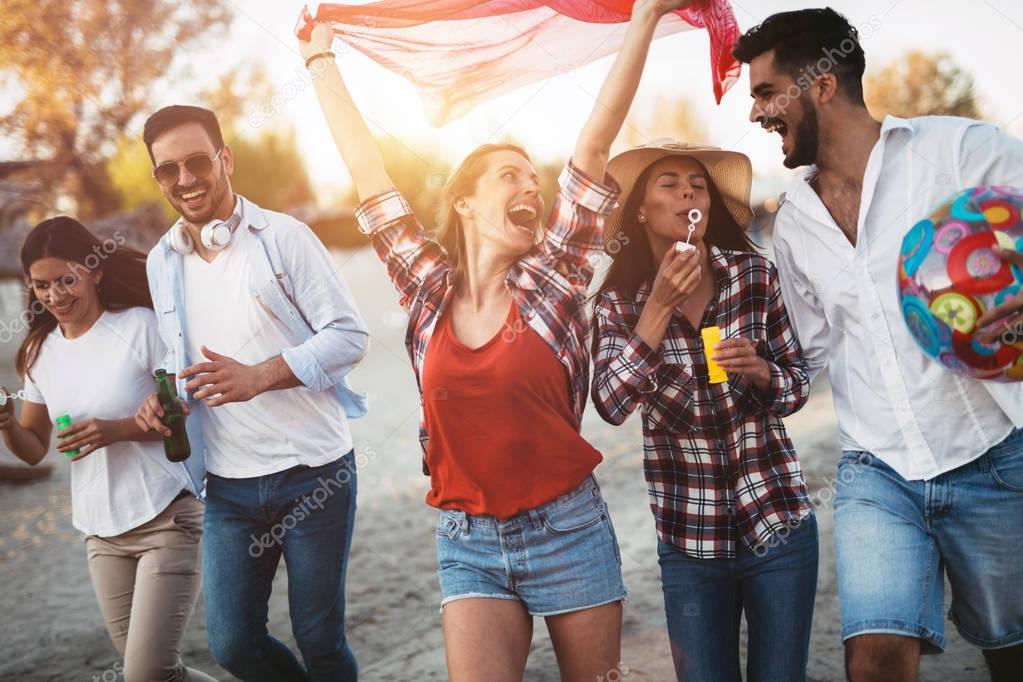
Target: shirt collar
<point x="252" y="215"/>
<point x="799" y="191"/>
<point x="720" y="265"/>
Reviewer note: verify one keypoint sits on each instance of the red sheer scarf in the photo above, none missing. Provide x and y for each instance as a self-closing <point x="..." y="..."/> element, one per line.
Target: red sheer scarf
<point x="460" y="53"/>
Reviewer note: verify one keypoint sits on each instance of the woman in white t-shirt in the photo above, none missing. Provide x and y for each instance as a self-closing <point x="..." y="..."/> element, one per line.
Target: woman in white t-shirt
<point x="90" y="353"/>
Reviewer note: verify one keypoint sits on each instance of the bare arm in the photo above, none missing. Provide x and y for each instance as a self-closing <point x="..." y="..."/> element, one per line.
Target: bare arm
<point x="347" y="126"/>
<point x="594" y="144"/>
<point x="28" y="437"/>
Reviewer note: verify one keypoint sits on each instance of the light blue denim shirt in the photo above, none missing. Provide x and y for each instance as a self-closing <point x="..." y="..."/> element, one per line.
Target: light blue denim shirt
<point x="294" y="277"/>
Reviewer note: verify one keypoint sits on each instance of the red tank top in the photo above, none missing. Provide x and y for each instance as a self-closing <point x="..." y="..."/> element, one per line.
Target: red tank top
<point x="502" y="434"/>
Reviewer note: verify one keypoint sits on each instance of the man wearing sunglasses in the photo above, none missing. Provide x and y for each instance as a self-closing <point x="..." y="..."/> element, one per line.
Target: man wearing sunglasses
<point x="262" y="332"/>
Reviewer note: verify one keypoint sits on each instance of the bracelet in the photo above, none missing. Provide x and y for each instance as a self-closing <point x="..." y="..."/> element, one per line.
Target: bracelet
<point x="313" y="57"/>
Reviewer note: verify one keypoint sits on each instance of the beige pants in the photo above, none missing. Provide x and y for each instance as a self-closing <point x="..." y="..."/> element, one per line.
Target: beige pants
<point x="146" y="581"/>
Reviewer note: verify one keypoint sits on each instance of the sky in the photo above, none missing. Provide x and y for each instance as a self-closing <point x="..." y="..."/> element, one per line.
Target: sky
<point x="984" y="40"/>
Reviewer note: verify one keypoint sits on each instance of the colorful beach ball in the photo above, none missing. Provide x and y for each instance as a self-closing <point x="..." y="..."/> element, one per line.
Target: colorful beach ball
<point x="949" y="275"/>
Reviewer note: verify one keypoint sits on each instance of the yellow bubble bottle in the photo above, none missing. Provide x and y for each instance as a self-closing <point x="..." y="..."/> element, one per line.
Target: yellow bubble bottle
<point x="712" y="337"/>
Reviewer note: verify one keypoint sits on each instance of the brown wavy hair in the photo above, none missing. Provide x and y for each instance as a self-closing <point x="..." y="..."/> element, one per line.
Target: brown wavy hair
<point x="462" y="183"/>
<point x="124" y="276"/>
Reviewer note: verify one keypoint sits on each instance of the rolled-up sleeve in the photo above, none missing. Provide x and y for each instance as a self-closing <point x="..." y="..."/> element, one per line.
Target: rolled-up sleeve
<point x="400" y="242"/>
<point x="575" y="226"/>
<point x="340" y="339"/>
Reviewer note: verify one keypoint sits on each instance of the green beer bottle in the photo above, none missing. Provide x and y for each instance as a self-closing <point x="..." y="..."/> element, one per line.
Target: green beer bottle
<point x="175" y="446"/>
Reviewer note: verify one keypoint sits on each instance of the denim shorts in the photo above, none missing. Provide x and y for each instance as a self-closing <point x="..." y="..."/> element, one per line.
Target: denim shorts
<point x="895" y="540"/>
<point x="560" y="557"/>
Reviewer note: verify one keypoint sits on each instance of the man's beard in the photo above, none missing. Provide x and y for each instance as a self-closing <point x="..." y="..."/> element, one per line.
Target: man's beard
<point x="805" y="140"/>
<point x="215" y="189"/>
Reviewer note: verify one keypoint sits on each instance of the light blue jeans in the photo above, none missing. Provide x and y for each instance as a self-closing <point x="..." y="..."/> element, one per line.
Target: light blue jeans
<point x="560" y="557"/>
<point x="895" y="540"/>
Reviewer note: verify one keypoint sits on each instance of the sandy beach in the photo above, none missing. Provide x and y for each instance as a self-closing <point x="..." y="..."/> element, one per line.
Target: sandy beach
<point x="52" y="629"/>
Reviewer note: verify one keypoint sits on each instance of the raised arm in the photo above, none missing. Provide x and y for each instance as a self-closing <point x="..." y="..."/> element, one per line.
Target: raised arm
<point x="352" y="136"/>
<point x="593" y="147"/>
<point x="398" y="237"/>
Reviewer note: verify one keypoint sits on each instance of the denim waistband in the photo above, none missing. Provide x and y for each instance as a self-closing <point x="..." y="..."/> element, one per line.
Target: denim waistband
<point x="532" y="517"/>
<point x="981" y="461"/>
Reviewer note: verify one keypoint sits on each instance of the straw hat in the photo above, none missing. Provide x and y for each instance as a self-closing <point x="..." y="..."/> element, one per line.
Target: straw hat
<point x="731" y="173"/>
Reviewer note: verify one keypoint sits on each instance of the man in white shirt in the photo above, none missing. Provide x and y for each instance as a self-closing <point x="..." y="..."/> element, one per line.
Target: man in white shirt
<point x="931" y="476"/>
<point x="261" y="331"/>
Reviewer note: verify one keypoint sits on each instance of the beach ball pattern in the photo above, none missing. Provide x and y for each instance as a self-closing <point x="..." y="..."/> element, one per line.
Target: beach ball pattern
<point x="949" y="275"/>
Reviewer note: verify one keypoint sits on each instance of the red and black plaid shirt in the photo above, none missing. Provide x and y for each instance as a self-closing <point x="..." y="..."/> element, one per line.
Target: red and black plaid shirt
<point x="719" y="465"/>
<point x="548" y="283"/>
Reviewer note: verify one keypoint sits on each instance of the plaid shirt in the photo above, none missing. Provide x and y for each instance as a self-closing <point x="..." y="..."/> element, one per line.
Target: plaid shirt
<point x="548" y="283"/>
<point x="719" y="465"/>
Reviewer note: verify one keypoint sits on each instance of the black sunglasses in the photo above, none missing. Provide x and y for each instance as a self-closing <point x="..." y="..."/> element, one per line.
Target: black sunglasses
<point x="199" y="165"/>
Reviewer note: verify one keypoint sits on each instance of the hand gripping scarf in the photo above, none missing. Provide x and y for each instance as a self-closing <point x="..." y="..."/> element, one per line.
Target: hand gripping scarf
<point x="460" y="53"/>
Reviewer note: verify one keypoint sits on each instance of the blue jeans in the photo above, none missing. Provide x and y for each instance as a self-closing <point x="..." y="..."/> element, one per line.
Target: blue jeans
<point x="305" y="514"/>
<point x="896" y="539"/>
<point x="704" y="600"/>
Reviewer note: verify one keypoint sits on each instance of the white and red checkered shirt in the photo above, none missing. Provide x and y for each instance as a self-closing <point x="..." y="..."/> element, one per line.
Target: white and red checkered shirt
<point x="719" y="465"/>
<point x="548" y="283"/>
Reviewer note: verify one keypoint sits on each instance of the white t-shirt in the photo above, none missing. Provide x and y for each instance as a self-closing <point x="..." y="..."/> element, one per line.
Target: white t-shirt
<point x="106" y="374"/>
<point x="276" y="430"/>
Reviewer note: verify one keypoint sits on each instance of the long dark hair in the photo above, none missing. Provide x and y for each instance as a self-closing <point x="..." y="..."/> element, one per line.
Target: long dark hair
<point x="124" y="276"/>
<point x="633" y="264"/>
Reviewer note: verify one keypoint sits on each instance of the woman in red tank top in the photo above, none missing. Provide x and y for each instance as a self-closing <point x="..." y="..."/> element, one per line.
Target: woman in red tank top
<point x="497" y="340"/>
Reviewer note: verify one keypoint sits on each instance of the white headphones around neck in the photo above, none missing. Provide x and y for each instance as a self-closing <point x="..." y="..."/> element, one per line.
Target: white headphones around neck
<point x="215" y="235"/>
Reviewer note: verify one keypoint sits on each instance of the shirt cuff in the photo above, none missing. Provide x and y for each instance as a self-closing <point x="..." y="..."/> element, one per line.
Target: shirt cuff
<point x="600" y="198"/>
<point x="303" y="365"/>
<point x="381" y="210"/>
<point x="642" y="361"/>
<point x="774" y="388"/>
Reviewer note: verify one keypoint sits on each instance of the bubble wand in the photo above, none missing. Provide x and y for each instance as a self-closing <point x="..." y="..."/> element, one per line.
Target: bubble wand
<point x="695" y="215"/>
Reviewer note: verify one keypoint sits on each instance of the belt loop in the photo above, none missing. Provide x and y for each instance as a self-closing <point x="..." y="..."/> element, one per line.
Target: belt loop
<point x="463" y="523"/>
<point x="537" y="520"/>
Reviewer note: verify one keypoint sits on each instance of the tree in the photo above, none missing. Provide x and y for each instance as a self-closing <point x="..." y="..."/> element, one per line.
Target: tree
<point x="419" y="173"/>
<point x="267" y="166"/>
<point x="83" y="72"/>
<point x="921" y="84"/>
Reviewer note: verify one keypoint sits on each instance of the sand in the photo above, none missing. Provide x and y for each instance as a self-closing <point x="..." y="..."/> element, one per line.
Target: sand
<point x="52" y="629"/>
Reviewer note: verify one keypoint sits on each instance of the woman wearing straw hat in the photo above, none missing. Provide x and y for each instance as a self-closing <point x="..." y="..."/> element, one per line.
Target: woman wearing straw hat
<point x="736" y="531"/>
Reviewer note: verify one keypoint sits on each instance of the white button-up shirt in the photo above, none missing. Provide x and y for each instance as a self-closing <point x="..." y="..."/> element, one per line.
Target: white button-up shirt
<point x="891" y="398"/>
